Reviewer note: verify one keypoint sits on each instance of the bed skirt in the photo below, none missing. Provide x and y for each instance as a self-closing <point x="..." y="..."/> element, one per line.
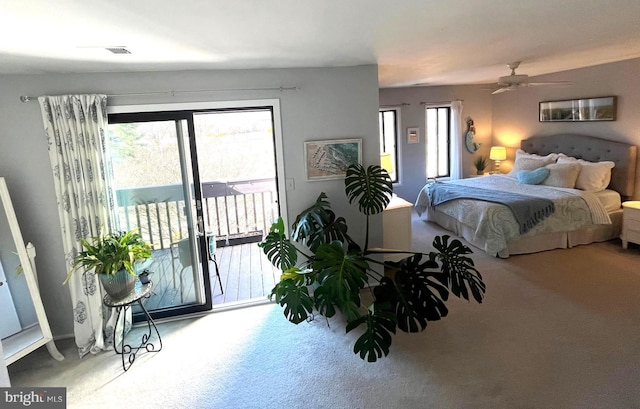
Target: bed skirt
<point x="535" y="243"/>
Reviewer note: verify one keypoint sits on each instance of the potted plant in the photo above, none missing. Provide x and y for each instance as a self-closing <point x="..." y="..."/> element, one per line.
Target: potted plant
<point x="334" y="270"/>
<point x="112" y="257"/>
<point x="480" y="164"/>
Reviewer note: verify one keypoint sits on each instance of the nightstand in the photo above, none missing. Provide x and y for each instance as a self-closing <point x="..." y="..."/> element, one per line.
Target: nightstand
<point x="396" y="227"/>
<point x="630" y="223"/>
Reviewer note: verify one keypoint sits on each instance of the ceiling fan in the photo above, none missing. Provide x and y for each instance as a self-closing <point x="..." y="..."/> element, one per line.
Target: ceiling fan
<point x="515" y="81"/>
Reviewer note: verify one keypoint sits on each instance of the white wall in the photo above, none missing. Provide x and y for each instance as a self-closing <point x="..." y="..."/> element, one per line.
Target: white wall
<point x="476" y="102"/>
<point x="332" y="103"/>
<point x="515" y="114"/>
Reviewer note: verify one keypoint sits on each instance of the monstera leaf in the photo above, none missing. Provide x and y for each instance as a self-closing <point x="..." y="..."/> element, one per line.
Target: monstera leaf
<point x="458" y="270"/>
<point x="318" y="224"/>
<point x="416" y="294"/>
<point x="371" y="187"/>
<point x="340" y="277"/>
<point x="376" y="339"/>
<point x="293" y="295"/>
<point x="278" y="249"/>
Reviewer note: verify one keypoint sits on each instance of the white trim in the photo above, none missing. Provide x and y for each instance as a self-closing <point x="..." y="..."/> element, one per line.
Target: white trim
<point x="184" y="106"/>
<point x="436" y="105"/>
<point x="280" y="172"/>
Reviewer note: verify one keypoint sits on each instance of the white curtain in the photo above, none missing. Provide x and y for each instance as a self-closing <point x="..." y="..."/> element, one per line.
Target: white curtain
<point x="456" y="140"/>
<point x="76" y="127"/>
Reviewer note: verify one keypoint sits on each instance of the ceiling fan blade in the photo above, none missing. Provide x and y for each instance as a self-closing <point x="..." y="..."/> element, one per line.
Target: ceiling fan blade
<point x="550" y="83"/>
<point x="514" y="81"/>
<point x="500" y="90"/>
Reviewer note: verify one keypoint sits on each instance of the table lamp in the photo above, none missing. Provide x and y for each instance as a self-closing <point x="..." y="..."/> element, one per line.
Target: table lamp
<point x="498" y="154"/>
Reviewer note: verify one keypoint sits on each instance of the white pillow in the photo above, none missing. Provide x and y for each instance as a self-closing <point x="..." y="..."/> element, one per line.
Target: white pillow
<point x="522" y="154"/>
<point x="594" y="176"/>
<point x="562" y="175"/>
<point x="530" y="161"/>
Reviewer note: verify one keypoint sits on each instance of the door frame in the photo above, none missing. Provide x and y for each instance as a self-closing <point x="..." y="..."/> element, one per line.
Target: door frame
<point x="274" y="103"/>
<point x="175" y="108"/>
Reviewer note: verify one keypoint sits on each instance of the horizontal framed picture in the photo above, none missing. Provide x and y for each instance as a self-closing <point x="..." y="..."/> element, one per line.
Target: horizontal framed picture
<point x="413" y="135"/>
<point x="330" y="159"/>
<point x="577" y="110"/>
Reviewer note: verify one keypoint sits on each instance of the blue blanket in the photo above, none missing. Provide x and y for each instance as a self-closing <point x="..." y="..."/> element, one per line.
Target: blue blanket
<point x="527" y="210"/>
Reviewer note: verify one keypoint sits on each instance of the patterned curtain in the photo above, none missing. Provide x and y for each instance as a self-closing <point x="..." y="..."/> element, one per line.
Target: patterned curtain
<point x="456" y="140"/>
<point x="76" y="128"/>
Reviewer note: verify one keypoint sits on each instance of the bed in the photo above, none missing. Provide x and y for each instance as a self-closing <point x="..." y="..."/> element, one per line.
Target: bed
<point x="583" y="213"/>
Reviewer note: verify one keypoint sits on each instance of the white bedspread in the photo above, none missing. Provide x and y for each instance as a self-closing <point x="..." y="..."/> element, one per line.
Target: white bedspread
<point x="494" y="224"/>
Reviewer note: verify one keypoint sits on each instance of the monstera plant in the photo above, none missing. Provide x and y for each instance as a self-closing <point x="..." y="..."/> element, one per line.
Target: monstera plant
<point x="324" y="271"/>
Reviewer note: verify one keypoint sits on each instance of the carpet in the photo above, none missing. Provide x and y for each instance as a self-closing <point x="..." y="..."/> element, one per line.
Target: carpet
<point x="558" y="329"/>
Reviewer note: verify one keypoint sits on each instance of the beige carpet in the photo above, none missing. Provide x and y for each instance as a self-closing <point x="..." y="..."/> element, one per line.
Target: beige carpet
<point x="559" y="329"/>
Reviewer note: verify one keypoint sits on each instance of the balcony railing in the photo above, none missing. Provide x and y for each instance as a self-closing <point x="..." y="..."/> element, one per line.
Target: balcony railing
<point x="231" y="210"/>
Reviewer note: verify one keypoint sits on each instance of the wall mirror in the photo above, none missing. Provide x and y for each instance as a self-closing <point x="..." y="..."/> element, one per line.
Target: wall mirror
<point x="583" y="109"/>
<point x="24" y="326"/>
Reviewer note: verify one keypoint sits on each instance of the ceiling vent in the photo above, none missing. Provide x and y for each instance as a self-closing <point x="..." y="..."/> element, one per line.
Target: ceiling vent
<point x="118" y="50"/>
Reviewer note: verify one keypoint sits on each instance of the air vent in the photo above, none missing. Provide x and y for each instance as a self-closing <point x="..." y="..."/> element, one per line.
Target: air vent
<point x="118" y="50"/>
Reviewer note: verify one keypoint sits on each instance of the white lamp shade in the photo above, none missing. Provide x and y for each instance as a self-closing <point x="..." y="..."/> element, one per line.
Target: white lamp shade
<point x="498" y="153"/>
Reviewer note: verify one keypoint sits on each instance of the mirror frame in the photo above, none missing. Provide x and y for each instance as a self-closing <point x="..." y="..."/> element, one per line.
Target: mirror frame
<point x="18" y="345"/>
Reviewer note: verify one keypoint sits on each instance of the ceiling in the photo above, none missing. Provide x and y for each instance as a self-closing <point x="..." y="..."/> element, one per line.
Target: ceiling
<point x="414" y="42"/>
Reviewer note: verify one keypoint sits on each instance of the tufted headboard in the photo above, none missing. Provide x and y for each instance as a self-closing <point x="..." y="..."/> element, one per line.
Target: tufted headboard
<point x="623" y="175"/>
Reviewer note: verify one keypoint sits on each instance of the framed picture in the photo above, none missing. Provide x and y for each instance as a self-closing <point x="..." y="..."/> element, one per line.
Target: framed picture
<point x="583" y="109"/>
<point x="413" y="135"/>
<point x="330" y="159"/>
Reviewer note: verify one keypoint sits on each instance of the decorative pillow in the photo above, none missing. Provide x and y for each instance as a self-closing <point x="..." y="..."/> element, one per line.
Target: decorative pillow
<point x="529" y="163"/>
<point x="533" y="177"/>
<point x="594" y="176"/>
<point x="562" y="175"/>
<point x="522" y="154"/>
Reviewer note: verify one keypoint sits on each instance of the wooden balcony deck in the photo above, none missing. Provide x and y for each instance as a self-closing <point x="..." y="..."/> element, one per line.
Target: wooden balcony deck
<point x="245" y="272"/>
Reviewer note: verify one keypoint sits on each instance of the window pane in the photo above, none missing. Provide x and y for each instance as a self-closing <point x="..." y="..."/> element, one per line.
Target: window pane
<point x="443" y="142"/>
<point x="432" y="143"/>
<point x="437" y="141"/>
<point x="388" y="135"/>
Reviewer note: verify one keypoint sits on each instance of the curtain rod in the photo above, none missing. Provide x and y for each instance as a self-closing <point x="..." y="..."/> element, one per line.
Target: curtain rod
<point x="401" y="104"/>
<point x="440" y="102"/>
<point x="26" y="98"/>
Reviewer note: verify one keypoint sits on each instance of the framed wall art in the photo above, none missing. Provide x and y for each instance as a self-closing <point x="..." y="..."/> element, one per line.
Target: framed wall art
<point x="330" y="159"/>
<point x="575" y="110"/>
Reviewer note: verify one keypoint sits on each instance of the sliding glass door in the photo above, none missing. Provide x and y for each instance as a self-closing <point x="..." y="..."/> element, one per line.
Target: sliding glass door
<point x="237" y="167"/>
<point x="158" y="191"/>
<point x="201" y="186"/>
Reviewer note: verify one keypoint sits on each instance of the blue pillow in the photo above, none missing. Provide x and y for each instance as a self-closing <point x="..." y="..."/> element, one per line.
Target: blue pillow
<point x="533" y="177"/>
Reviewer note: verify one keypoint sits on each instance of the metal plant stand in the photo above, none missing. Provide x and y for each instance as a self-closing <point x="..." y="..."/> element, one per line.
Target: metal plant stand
<point x="146" y="343"/>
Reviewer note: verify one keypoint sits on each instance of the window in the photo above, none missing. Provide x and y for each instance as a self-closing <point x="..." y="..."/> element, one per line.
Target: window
<point x="437" y="141"/>
<point x="388" y="122"/>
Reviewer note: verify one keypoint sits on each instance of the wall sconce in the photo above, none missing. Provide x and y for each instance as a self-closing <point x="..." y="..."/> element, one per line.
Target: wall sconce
<point x="498" y="154"/>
